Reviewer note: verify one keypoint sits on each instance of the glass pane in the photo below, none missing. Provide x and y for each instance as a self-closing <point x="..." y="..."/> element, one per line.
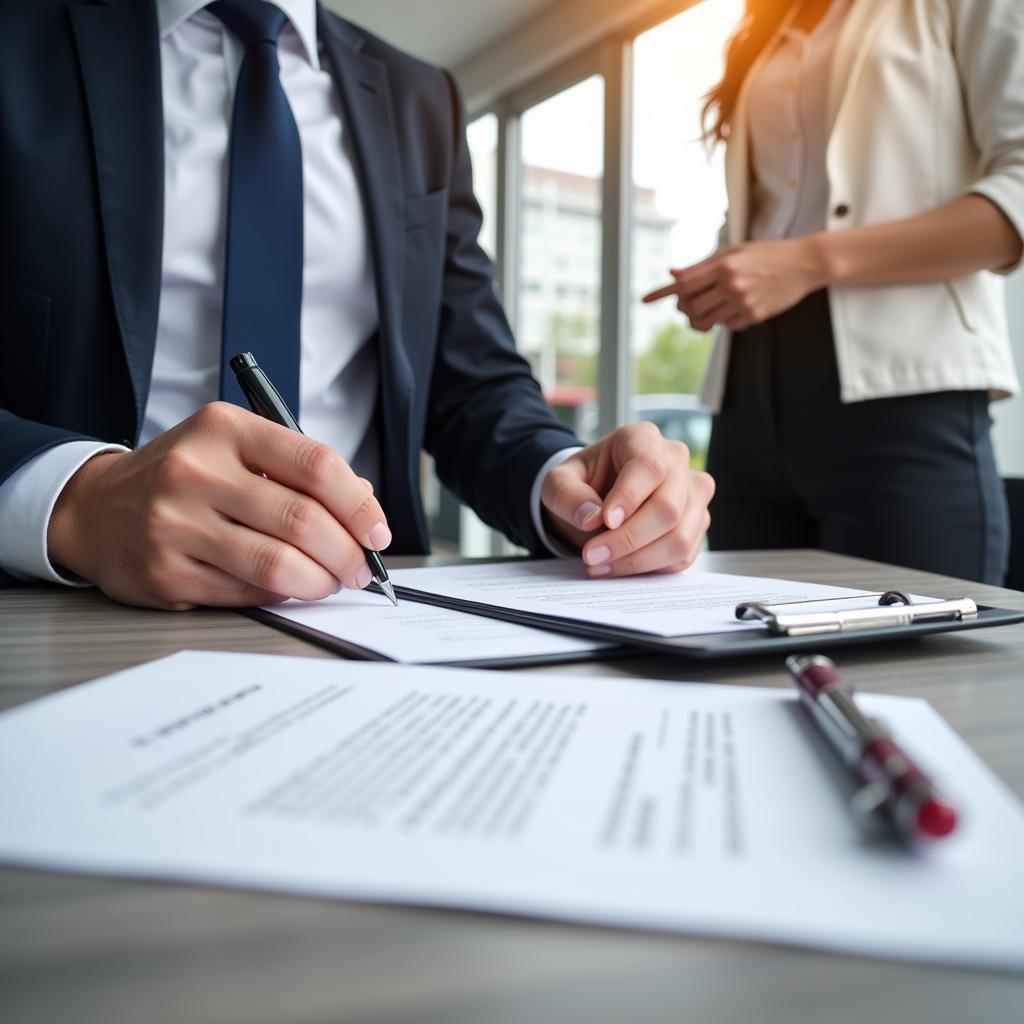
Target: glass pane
<point x="482" y="135"/>
<point x="678" y="208"/>
<point x="558" y="309"/>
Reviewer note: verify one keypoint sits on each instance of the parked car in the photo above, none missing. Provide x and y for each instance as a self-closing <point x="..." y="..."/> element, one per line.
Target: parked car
<point x="678" y="417"/>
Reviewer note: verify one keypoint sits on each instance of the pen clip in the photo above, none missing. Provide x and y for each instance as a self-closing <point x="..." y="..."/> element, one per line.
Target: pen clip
<point x="868" y="806"/>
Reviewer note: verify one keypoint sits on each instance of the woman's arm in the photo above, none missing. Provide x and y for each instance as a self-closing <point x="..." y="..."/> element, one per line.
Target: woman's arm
<point x="748" y="283"/>
<point x="969" y="234"/>
<point x="981" y="230"/>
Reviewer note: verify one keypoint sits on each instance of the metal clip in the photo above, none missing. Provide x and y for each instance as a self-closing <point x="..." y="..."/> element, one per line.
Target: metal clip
<point x="894" y="609"/>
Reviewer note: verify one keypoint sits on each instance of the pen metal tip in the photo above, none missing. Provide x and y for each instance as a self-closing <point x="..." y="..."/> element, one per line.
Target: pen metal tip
<point x="389" y="591"/>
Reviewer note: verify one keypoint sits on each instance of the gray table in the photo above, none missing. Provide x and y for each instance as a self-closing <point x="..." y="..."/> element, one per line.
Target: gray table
<point x="81" y="949"/>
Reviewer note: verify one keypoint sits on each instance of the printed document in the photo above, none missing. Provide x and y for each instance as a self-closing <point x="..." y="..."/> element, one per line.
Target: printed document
<point x="683" y="604"/>
<point x="421" y="634"/>
<point x="705" y="809"/>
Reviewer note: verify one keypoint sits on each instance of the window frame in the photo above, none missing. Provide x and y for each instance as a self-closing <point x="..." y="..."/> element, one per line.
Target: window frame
<point x="611" y="57"/>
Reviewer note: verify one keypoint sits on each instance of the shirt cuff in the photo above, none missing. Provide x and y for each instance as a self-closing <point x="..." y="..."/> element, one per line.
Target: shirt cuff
<point x="27" y="498"/>
<point x="556" y="548"/>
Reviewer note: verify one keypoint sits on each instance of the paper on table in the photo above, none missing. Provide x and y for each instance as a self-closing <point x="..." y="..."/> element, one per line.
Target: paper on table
<point x="419" y="633"/>
<point x="696" y="808"/>
<point x="685" y="604"/>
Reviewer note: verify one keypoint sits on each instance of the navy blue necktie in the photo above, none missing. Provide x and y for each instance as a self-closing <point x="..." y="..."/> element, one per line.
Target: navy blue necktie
<point x="263" y="256"/>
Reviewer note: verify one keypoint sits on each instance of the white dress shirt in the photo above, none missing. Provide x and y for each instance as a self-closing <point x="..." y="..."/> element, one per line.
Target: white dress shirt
<point x="789" y="131"/>
<point x="339" y="368"/>
<point x="338" y="372"/>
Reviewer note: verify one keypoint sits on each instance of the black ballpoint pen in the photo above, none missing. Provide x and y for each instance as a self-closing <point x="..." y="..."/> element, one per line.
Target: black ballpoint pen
<point x="264" y="399"/>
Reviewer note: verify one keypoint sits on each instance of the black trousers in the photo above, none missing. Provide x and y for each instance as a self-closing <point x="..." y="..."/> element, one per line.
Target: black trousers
<point x="910" y="480"/>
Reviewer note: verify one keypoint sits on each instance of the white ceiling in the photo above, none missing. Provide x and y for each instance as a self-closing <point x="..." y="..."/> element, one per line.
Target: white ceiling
<point x="445" y="32"/>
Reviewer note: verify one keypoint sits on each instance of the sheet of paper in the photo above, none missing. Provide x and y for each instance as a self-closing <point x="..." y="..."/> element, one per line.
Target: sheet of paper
<point x="708" y="809"/>
<point x="419" y="633"/>
<point x="684" y="604"/>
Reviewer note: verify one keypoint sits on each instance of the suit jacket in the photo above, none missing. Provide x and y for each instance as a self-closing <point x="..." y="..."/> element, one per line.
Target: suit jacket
<point x="81" y="221"/>
<point x="925" y="104"/>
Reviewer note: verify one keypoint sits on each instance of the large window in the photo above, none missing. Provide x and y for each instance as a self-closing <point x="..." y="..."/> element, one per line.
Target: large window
<point x="558" y="260"/>
<point x="678" y="205"/>
<point x="482" y="136"/>
<point x="594" y="180"/>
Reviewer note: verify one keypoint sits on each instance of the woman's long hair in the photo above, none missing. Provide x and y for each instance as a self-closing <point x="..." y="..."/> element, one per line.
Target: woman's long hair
<point x="761" y="19"/>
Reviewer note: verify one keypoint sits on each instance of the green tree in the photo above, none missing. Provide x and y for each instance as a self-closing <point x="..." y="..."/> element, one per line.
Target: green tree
<point x="674" y="363"/>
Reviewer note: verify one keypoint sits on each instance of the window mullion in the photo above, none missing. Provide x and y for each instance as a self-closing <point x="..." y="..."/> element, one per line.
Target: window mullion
<point x="615" y="376"/>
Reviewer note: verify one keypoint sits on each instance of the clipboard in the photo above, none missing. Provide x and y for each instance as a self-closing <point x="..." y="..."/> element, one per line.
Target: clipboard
<point x="356" y="652"/>
<point x="785" y="629"/>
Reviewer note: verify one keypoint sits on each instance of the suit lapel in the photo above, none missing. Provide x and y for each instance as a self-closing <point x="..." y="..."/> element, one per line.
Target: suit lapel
<point x="860" y="26"/>
<point x="858" y="31"/>
<point x="118" y="49"/>
<point x="366" y="101"/>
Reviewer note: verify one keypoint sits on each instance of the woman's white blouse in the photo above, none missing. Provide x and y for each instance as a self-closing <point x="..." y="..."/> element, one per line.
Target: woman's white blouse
<point x="788" y="134"/>
<point x="924" y="103"/>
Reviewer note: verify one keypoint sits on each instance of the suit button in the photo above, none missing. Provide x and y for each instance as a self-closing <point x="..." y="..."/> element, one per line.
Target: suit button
<point x="841" y="210"/>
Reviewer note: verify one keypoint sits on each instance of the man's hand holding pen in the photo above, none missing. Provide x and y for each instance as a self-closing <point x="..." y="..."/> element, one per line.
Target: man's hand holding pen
<point x="224" y="509"/>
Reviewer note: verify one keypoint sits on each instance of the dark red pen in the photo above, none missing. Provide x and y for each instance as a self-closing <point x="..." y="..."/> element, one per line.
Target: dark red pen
<point x="891" y="783"/>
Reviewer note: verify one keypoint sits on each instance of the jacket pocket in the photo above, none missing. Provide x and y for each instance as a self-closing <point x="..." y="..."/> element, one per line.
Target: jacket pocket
<point x="24" y="336"/>
<point x="423" y="211"/>
<point x="962" y="301"/>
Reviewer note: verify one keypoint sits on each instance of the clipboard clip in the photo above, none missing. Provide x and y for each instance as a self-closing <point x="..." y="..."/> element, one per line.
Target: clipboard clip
<point x="894" y="609"/>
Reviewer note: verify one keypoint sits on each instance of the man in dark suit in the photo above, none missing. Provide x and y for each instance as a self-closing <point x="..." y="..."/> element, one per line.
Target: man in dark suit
<point x="179" y="183"/>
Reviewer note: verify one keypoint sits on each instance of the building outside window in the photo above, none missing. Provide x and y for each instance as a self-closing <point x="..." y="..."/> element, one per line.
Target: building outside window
<point x="677" y="204"/>
<point x="558" y="271"/>
<point x="678" y="208"/>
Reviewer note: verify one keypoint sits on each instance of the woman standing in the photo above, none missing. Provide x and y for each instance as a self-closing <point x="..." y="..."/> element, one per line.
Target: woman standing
<point x="875" y="174"/>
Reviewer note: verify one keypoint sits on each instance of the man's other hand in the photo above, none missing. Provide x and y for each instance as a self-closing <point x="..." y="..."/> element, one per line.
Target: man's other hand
<point x="226" y="508"/>
<point x="630" y="502"/>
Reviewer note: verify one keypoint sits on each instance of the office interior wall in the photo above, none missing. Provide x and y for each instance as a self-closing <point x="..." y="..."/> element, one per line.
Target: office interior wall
<point x="548" y="38"/>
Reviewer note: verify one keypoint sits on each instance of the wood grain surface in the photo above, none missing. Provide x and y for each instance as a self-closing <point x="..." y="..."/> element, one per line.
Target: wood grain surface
<point x="86" y="950"/>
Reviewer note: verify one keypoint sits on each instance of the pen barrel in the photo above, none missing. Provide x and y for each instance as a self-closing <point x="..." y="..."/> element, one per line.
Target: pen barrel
<point x="909" y="798"/>
<point x="263" y="398"/>
<point x="813" y="673"/>
<point x="848" y="731"/>
<point x="883" y="763"/>
<point x="380" y="574"/>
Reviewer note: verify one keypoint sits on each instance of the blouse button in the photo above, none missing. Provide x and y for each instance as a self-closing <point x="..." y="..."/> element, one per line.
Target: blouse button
<point x="841" y="210"/>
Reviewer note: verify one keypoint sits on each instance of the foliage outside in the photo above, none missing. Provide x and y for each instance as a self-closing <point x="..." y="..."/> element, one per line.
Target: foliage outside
<point x="673" y="364"/>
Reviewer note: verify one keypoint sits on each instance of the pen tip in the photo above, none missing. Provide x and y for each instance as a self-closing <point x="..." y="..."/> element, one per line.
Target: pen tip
<point x="389" y="591"/>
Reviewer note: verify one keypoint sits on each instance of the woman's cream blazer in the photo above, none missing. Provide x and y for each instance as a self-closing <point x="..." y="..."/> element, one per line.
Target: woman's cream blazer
<point x="926" y="103"/>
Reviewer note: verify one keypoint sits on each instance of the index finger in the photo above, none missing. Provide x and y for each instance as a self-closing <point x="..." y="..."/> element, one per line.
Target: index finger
<point x="642" y="457"/>
<point x="313" y="468"/>
<point x="661" y="293"/>
<point x="696" y="279"/>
